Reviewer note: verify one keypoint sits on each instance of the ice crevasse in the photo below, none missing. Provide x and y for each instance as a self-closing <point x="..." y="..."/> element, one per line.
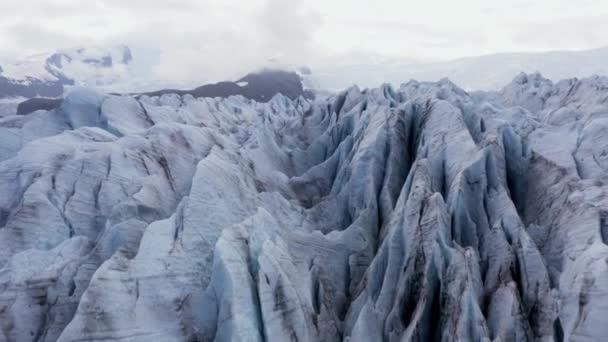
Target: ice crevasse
<point x="417" y="213"/>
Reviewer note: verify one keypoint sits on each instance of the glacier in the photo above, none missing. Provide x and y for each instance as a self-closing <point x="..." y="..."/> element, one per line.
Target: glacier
<point x="416" y="213"/>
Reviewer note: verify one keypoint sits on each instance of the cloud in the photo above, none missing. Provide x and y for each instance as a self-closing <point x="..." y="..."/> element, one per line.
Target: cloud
<point x="563" y="33"/>
<point x="422" y="31"/>
<point x="218" y="39"/>
<point x="287" y="29"/>
<point x="219" y="44"/>
<point x="209" y="39"/>
<point x="31" y="38"/>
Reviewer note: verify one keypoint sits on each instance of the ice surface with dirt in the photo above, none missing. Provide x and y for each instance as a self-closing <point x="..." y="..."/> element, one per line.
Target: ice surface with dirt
<point x="389" y="214"/>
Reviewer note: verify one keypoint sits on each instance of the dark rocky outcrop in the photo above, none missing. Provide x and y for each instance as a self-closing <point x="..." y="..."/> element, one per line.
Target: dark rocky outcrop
<point x="37" y="103"/>
<point x="260" y="86"/>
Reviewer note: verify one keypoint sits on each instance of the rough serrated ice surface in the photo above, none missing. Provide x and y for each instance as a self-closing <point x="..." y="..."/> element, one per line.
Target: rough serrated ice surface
<point x="411" y="214"/>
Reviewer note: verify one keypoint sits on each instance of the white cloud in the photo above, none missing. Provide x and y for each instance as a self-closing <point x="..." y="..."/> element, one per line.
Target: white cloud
<point x="563" y="33"/>
<point x="215" y="39"/>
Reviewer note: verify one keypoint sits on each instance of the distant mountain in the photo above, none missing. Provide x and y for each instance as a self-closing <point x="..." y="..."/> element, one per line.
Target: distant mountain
<point x="90" y="66"/>
<point x="29" y="87"/>
<point x="119" y="70"/>
<point x="472" y="73"/>
<point x="40" y="81"/>
<point x="260" y="86"/>
<point x="48" y="75"/>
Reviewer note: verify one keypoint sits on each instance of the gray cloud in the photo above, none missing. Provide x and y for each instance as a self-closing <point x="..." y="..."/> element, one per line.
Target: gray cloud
<point x="31" y="37"/>
<point x="440" y="36"/>
<point x="218" y="39"/>
<point x="218" y="50"/>
<point x="563" y="33"/>
<point x="288" y="29"/>
<point x="210" y="39"/>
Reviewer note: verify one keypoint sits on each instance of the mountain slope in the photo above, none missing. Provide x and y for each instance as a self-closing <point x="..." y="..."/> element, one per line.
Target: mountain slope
<point x="47" y="75"/>
<point x="260" y="86"/>
<point x="472" y="73"/>
<point x="419" y="213"/>
<point x="118" y="69"/>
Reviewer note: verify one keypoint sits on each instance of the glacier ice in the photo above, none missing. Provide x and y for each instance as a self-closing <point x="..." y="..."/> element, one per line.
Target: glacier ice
<point x="390" y="214"/>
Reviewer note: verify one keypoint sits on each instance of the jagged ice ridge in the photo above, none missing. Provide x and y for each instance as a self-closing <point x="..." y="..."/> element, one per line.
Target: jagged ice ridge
<point x="419" y="213"/>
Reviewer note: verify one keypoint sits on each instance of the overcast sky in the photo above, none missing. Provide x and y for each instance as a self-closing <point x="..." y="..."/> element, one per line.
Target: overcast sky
<point x="221" y="37"/>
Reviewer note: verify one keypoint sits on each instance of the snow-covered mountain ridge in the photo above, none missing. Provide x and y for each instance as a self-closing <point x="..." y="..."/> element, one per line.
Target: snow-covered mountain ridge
<point x="485" y="72"/>
<point x="260" y="86"/>
<point x="421" y="213"/>
<point x="119" y="69"/>
<point x="47" y="76"/>
<point x="82" y="64"/>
